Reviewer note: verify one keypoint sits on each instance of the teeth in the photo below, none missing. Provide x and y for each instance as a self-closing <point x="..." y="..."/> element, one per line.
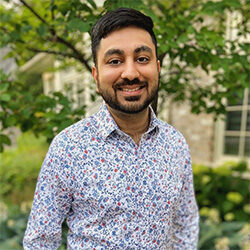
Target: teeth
<point x="131" y="90"/>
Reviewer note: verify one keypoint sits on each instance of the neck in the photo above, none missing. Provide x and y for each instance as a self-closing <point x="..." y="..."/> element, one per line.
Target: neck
<point x="132" y="124"/>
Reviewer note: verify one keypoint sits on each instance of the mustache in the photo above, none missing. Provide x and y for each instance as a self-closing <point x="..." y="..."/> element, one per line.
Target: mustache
<point x="128" y="82"/>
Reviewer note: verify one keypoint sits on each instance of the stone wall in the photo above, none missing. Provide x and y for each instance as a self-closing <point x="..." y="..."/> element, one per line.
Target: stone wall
<point x="197" y="129"/>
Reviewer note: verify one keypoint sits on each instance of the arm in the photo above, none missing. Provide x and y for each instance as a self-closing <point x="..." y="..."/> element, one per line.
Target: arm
<point x="186" y="220"/>
<point x="52" y="202"/>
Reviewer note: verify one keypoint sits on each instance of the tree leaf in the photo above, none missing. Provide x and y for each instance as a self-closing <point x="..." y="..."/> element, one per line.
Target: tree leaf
<point x="5" y="97"/>
<point x="78" y="24"/>
<point x="43" y="30"/>
<point x="4" y="86"/>
<point x="10" y="121"/>
<point x="4" y="139"/>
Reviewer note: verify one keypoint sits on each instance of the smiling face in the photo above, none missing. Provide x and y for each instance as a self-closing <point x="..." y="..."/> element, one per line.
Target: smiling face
<point x="127" y="71"/>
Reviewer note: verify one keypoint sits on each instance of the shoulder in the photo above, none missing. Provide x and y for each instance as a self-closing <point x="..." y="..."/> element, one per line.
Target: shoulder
<point x="77" y="133"/>
<point x="176" y="146"/>
<point x="169" y="131"/>
<point x="172" y="139"/>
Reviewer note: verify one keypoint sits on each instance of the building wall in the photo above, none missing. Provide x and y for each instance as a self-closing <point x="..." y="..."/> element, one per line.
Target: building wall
<point x="198" y="130"/>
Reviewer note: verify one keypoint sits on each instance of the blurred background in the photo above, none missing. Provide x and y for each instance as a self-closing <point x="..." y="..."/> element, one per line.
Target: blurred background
<point x="46" y="85"/>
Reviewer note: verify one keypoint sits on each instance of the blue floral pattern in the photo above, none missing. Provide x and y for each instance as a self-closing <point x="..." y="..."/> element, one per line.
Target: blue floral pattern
<point x="115" y="194"/>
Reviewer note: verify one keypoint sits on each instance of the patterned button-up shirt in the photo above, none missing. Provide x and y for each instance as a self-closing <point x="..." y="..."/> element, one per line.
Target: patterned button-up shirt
<point x="115" y="194"/>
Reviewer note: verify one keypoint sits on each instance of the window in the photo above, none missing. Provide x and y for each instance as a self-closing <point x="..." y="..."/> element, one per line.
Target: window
<point x="237" y="130"/>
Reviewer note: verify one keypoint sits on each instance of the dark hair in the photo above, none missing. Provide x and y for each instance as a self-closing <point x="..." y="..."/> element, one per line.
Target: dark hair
<point x="117" y="19"/>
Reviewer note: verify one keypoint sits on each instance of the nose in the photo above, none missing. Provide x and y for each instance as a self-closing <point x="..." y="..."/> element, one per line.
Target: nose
<point x="130" y="72"/>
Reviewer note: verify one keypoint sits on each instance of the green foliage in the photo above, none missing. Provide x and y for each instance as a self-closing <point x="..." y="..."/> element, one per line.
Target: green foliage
<point x="19" y="169"/>
<point x="222" y="195"/>
<point x="224" y="189"/>
<point x="31" y="82"/>
<point x="12" y="230"/>
<point x="41" y="114"/>
<point x="224" y="235"/>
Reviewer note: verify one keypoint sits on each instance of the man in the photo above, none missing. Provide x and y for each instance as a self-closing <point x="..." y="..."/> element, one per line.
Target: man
<point x="122" y="178"/>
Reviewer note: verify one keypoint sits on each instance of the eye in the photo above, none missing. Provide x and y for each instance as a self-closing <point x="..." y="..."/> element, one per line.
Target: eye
<point x="114" y="62"/>
<point x="142" y="59"/>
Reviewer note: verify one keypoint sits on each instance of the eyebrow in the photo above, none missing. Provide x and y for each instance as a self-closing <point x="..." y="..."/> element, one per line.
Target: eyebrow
<point x="144" y="49"/>
<point x="111" y="52"/>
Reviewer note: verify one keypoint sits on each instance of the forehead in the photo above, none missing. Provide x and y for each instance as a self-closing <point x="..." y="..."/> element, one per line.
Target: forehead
<point x="127" y="39"/>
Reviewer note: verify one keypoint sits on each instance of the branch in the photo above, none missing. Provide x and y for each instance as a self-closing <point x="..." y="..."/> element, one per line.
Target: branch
<point x="52" y="10"/>
<point x="78" y="55"/>
<point x="50" y="52"/>
<point x="33" y="11"/>
<point x="56" y="53"/>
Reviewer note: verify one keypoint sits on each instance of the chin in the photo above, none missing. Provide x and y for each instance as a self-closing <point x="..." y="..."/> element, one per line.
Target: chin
<point x="130" y="108"/>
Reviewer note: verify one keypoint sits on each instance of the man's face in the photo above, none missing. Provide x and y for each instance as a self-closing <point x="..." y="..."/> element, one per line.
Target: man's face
<point x="127" y="72"/>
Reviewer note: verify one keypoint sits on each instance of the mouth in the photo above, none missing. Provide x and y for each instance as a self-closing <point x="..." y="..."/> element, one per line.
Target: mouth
<point x="131" y="90"/>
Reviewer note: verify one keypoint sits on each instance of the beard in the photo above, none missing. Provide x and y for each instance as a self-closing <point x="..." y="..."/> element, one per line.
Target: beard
<point x="132" y="105"/>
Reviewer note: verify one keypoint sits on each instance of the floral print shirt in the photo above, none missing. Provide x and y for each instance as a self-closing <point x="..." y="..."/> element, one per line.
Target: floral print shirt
<point x="115" y="194"/>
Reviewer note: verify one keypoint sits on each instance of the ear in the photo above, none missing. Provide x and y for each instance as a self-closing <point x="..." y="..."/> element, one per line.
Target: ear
<point x="95" y="76"/>
<point x="94" y="73"/>
<point x="159" y="66"/>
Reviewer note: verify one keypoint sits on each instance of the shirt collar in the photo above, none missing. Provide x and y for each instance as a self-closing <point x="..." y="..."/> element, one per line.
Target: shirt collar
<point x="107" y="124"/>
<point x="154" y="122"/>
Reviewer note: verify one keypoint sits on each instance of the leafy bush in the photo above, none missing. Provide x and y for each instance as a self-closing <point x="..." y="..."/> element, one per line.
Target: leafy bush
<point x="222" y="196"/>
<point x="19" y="168"/>
<point x="224" y="235"/>
<point x="12" y="229"/>
<point x="41" y="114"/>
<point x="223" y="188"/>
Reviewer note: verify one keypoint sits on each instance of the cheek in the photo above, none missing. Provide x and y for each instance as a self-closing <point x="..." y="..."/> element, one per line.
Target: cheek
<point x="151" y="74"/>
<point x="107" y="79"/>
<point x="109" y="76"/>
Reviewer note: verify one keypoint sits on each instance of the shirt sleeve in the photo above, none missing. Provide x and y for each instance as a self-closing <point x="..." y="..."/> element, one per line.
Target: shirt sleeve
<point x="186" y="220"/>
<point x="52" y="201"/>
